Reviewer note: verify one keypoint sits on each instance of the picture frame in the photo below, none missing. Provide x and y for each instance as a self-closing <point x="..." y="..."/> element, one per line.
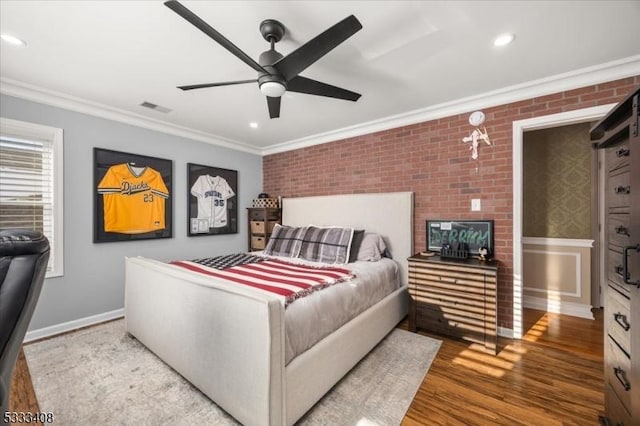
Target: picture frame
<point x="212" y="206"/>
<point x="133" y="196"/>
<point x="472" y="235"/>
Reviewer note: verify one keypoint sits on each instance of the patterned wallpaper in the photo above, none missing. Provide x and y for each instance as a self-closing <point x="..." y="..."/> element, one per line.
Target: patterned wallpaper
<point x="557" y="182"/>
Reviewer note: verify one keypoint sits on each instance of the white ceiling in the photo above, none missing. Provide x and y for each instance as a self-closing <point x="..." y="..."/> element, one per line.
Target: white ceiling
<point x="409" y="56"/>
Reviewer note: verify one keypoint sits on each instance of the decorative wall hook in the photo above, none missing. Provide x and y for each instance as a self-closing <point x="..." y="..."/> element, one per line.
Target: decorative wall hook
<point x="476" y="119"/>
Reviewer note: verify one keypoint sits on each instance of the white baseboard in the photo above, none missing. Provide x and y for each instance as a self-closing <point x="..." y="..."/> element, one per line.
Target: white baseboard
<point x="558" y="307"/>
<point x="119" y="313"/>
<point x="72" y="325"/>
<point x="505" y="332"/>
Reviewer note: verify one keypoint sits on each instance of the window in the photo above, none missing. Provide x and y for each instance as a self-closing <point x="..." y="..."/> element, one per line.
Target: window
<point x="31" y="183"/>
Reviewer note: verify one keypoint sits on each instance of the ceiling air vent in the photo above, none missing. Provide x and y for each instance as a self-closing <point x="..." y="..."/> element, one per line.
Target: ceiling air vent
<point x="155" y="107"/>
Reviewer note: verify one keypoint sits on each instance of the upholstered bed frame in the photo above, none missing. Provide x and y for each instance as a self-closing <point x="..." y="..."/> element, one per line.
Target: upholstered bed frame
<point x="229" y="341"/>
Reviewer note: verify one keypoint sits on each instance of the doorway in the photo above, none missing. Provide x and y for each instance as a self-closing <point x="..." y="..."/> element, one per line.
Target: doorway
<point x="519" y="128"/>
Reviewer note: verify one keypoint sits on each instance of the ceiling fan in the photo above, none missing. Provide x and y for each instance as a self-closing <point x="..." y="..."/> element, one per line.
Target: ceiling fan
<point x="278" y="73"/>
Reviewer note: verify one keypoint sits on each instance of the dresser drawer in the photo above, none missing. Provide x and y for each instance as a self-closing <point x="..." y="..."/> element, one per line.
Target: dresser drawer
<point x="475" y="282"/>
<point x="619" y="231"/>
<point x="264" y="214"/>
<point x="258" y="227"/>
<point x="618" y="372"/>
<point x="439" y="321"/>
<point x="616" y="413"/>
<point x="618" y="192"/>
<point x="618" y="157"/>
<point x="474" y="304"/>
<point x="258" y="243"/>
<point x="618" y="320"/>
<point x="614" y="271"/>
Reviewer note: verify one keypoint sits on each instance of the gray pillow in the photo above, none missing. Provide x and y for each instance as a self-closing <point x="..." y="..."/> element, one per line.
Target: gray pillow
<point x="372" y="247"/>
<point x="285" y="241"/>
<point x="327" y="245"/>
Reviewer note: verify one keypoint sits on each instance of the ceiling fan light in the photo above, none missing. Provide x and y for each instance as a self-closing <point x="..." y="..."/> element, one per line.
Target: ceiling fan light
<point x="273" y="89"/>
<point x="503" y="39"/>
<point x="13" y="40"/>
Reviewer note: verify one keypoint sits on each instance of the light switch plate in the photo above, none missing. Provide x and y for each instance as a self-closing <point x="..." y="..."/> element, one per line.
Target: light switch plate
<point x="475" y="205"/>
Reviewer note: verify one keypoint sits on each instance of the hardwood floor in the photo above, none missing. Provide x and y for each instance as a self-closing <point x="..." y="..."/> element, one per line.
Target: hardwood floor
<point x="553" y="376"/>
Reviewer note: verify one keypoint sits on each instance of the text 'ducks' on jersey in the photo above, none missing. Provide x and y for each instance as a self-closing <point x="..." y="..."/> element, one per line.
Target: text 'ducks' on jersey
<point x="134" y="199"/>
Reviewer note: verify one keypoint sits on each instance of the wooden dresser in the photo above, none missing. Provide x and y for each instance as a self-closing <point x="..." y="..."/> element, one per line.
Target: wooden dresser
<point x="262" y="220"/>
<point x="456" y="298"/>
<point x="618" y="134"/>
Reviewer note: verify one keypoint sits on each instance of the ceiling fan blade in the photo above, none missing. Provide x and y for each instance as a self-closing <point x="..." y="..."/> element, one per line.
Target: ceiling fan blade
<point x="274" y="106"/>
<point x="224" y="83"/>
<point x="298" y="60"/>
<point x="208" y="30"/>
<point x="313" y="87"/>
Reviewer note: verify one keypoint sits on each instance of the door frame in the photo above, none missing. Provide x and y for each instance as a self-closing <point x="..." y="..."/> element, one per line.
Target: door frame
<point x="519" y="127"/>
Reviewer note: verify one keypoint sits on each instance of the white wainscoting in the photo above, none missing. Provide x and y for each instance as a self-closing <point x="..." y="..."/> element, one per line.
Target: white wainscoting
<point x="560" y="281"/>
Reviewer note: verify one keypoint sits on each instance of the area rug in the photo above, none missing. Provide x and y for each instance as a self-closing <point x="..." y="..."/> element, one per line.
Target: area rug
<point x="102" y="376"/>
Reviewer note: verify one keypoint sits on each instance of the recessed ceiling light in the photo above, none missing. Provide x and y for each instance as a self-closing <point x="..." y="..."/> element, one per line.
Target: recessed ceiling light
<point x="253" y="125"/>
<point x="13" y="40"/>
<point x="503" y="39"/>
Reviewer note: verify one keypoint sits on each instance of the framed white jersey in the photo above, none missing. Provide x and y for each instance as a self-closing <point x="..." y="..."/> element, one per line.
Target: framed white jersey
<point x="212" y="193"/>
<point x="213" y="200"/>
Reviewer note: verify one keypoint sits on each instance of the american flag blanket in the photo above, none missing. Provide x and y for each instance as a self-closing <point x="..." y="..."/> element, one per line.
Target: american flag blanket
<point x="289" y="280"/>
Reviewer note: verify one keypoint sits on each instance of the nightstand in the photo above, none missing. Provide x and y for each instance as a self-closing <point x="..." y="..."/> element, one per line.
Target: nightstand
<point x="262" y="220"/>
<point x="456" y="298"/>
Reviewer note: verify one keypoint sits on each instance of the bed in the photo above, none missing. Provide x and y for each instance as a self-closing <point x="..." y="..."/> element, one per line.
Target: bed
<point x="229" y="340"/>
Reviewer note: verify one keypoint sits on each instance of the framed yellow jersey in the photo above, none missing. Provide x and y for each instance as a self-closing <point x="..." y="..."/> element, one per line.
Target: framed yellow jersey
<point x="133" y="199"/>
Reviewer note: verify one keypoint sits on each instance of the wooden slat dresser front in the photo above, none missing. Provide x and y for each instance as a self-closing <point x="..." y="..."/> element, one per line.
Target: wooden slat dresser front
<point x="456" y="298"/>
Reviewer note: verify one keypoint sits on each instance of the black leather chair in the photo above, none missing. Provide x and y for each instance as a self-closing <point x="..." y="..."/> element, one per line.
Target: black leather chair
<point x="23" y="263"/>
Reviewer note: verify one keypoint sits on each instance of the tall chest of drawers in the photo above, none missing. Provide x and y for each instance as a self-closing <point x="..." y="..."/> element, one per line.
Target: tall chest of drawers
<point x="455" y="298"/>
<point x="618" y="133"/>
<point x="262" y="220"/>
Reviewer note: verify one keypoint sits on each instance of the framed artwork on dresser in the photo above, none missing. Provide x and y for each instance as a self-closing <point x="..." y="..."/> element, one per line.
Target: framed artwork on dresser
<point x="132" y="196"/>
<point x="470" y="234"/>
<point x="213" y="205"/>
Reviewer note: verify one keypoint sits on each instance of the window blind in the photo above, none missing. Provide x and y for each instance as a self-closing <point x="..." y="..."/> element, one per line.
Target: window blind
<point x="27" y="186"/>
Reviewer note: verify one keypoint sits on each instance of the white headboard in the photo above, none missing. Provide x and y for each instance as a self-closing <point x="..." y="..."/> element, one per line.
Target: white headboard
<point x="390" y="214"/>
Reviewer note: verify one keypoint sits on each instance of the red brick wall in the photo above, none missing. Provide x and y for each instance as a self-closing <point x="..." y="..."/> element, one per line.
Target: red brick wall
<point x="430" y="160"/>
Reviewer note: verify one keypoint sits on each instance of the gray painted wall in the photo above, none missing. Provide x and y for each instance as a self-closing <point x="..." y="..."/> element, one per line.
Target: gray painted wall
<point x="93" y="281"/>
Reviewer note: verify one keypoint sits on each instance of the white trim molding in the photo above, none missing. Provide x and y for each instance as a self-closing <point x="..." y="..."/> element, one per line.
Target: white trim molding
<point x="609" y="71"/>
<point x="505" y="332"/>
<point x="65" y="327"/>
<point x="563" y="242"/>
<point x="622" y="68"/>
<point x="518" y="128"/>
<point x="558" y="307"/>
<point x="54" y="135"/>
<point x="41" y="95"/>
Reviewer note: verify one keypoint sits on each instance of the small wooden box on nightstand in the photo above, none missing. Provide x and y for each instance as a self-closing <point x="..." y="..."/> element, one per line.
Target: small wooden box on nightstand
<point x="456" y="298"/>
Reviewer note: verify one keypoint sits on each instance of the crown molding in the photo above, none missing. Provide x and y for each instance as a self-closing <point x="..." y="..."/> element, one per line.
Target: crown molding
<point x="41" y="95"/>
<point x="622" y="68"/>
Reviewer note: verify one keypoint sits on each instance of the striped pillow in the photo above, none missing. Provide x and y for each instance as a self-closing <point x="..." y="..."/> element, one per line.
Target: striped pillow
<point x="285" y="241"/>
<point x="327" y="245"/>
